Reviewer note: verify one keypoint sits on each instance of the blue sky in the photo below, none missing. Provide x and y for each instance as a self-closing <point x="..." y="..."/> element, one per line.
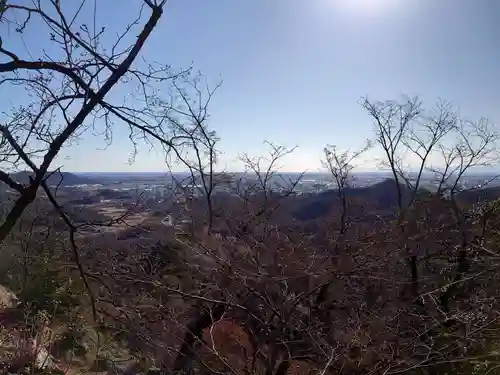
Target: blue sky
<point x="294" y="70"/>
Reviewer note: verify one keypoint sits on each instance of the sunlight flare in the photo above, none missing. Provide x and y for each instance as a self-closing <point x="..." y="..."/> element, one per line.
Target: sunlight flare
<point x="365" y="7"/>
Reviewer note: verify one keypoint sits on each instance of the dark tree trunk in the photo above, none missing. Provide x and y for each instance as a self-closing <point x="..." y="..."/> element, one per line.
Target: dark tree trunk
<point x="183" y="363"/>
<point x="463" y="267"/>
<point x="282" y="367"/>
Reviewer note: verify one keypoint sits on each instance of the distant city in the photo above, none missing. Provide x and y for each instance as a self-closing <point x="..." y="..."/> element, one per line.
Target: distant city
<point x="158" y="184"/>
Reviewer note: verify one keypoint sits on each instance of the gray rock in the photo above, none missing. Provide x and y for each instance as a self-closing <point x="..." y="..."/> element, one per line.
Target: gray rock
<point x="7" y="298"/>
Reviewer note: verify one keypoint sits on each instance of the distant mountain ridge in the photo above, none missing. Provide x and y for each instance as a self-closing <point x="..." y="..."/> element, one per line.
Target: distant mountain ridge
<point x="381" y="196"/>
<point x="57" y="178"/>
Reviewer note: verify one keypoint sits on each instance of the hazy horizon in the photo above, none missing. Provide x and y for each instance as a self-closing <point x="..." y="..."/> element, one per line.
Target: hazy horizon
<point x="373" y="172"/>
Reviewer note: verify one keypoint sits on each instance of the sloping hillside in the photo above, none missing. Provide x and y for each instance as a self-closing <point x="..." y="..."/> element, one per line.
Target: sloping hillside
<point x="379" y="196"/>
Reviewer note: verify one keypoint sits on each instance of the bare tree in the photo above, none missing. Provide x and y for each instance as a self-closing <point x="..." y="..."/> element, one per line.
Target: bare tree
<point x="69" y="88"/>
<point x="446" y="148"/>
<point x="475" y="145"/>
<point x="263" y="185"/>
<point x="227" y="295"/>
<point x="340" y="165"/>
<point x="404" y="130"/>
<point x="197" y="144"/>
<point x="64" y="94"/>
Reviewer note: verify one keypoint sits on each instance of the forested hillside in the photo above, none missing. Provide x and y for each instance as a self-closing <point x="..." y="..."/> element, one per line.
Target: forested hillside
<point x="228" y="274"/>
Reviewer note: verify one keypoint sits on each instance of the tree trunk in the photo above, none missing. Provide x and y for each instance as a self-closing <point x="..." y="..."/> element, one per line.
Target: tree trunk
<point x="184" y="361"/>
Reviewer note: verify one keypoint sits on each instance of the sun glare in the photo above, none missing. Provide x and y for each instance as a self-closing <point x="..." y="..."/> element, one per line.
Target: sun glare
<point x="364" y="7"/>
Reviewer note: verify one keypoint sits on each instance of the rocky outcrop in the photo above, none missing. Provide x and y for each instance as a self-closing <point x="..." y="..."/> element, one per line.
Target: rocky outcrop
<point x="7" y="298"/>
